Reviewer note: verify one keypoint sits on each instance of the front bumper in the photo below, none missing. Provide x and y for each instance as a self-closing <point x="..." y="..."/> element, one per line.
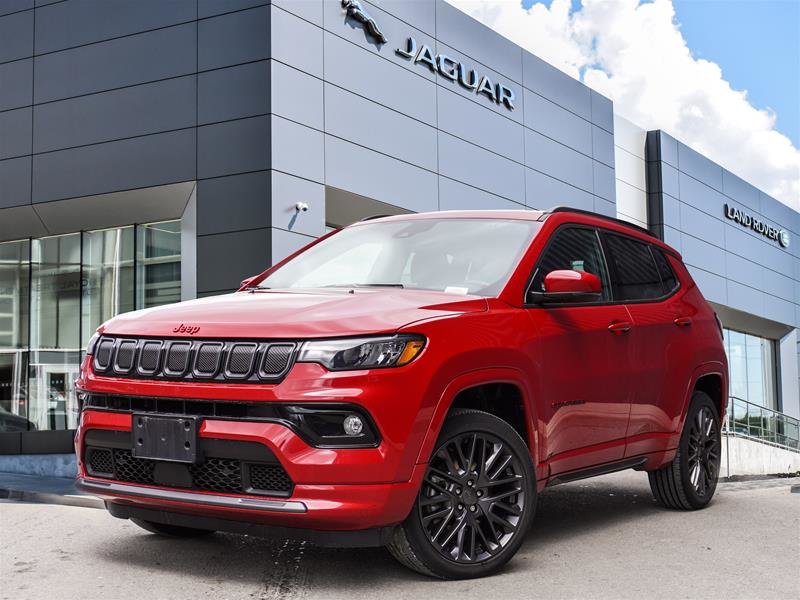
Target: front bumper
<point x="361" y="538"/>
<point x="311" y="507"/>
<point x="334" y="489"/>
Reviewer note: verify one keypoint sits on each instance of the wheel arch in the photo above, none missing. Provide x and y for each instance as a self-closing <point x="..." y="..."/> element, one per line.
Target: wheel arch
<point x="711" y="378"/>
<point x="461" y="393"/>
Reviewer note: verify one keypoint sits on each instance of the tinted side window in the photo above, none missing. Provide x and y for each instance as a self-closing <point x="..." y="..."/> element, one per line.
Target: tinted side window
<point x="668" y="279"/>
<point x="634" y="275"/>
<point x="575" y="249"/>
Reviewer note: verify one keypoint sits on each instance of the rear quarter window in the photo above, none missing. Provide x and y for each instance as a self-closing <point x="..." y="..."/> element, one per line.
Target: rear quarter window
<point x="634" y="273"/>
<point x="669" y="281"/>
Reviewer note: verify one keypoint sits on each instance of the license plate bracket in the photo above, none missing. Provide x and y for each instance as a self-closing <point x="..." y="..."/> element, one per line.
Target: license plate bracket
<point x="172" y="439"/>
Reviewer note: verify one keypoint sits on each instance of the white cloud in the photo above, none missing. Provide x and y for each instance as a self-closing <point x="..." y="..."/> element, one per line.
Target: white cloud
<point x="634" y="53"/>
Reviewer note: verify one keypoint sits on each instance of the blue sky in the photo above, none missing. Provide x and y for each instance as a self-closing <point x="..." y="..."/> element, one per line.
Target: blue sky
<point x="755" y="42"/>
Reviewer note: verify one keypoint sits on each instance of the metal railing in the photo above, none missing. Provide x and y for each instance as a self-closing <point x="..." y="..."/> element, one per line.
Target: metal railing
<point x="750" y="420"/>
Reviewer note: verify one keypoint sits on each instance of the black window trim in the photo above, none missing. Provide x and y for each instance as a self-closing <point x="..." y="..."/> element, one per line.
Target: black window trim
<point x="599" y="232"/>
<point x="662" y="297"/>
<point x="550" y="242"/>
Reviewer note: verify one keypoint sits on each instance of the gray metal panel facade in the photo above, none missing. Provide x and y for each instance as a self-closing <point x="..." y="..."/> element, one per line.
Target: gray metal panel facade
<point x="400" y="132"/>
<point x="98" y="97"/>
<point x="734" y="266"/>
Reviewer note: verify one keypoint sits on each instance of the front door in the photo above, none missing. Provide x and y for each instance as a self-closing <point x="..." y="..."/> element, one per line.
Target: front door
<point x="583" y="357"/>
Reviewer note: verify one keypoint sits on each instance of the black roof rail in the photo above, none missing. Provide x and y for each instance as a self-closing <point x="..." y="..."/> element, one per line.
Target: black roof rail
<point x="580" y="211"/>
<point x="369" y="218"/>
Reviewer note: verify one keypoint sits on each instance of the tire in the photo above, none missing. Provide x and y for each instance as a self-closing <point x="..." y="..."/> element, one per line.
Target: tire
<point x="469" y="522"/>
<point x="689" y="481"/>
<point x="175" y="531"/>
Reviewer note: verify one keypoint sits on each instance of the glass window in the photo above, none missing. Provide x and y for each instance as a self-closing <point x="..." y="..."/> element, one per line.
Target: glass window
<point x="473" y="256"/>
<point x="14" y="293"/>
<point x="55" y="329"/>
<point x="752" y="368"/>
<point x="52" y="402"/>
<point x="633" y="271"/>
<point x="54" y="292"/>
<point x="669" y="282"/>
<point x="13" y="391"/>
<point x="572" y="249"/>
<point x="158" y="264"/>
<point x="14" y="307"/>
<point x="108" y="277"/>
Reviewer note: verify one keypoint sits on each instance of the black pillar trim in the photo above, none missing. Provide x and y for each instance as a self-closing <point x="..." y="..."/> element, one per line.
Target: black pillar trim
<point x="653" y="175"/>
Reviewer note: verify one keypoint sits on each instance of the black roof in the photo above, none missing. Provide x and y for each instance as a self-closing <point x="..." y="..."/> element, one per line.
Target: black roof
<point x="579" y="211"/>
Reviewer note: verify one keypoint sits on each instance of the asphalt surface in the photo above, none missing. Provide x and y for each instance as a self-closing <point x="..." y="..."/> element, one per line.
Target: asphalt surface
<point x="599" y="538"/>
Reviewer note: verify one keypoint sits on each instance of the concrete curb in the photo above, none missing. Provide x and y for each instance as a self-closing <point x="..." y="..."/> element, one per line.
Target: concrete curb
<point x="50" y="498"/>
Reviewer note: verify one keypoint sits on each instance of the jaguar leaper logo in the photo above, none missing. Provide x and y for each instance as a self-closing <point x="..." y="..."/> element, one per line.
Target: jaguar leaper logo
<point x="190" y="329"/>
<point x="358" y="13"/>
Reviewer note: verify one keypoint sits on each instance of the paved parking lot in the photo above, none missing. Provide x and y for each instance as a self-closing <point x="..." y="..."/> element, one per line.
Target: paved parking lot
<point x="600" y="538"/>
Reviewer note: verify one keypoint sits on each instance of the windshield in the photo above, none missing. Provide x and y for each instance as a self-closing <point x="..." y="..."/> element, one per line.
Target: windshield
<point x="461" y="256"/>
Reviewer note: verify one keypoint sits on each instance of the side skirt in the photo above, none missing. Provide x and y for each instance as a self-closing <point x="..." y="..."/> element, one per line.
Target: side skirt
<point x="612" y="467"/>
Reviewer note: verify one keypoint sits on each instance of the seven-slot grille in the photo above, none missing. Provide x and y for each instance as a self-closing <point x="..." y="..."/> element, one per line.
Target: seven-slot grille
<point x="199" y="360"/>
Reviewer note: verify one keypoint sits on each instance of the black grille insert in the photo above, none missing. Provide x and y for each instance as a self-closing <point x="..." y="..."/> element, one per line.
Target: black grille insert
<point x="206" y="362"/>
<point x="100" y="462"/>
<point x="214" y="474"/>
<point x="240" y="360"/>
<point x="218" y="474"/>
<point x="126" y="354"/>
<point x="177" y="358"/>
<point x="202" y="360"/>
<point x="149" y="357"/>
<point x="103" y="353"/>
<point x="129" y="468"/>
<point x="269" y="477"/>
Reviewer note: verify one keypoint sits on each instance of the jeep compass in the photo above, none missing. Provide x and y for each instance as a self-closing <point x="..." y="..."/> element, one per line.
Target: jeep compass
<point x="411" y="382"/>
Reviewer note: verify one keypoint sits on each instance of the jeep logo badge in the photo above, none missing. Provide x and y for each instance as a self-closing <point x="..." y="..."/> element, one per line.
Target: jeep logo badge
<point x="190" y="329"/>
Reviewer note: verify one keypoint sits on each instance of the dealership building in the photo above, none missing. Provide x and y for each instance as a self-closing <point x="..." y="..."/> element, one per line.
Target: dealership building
<point x="153" y="151"/>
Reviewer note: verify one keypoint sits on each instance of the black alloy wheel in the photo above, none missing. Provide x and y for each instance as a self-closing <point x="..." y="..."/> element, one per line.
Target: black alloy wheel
<point x="690" y="480"/>
<point x="475" y="503"/>
<point x="472" y="497"/>
<point x="703" y="451"/>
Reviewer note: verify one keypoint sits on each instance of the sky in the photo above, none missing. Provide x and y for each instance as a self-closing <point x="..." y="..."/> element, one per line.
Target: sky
<point x="723" y="76"/>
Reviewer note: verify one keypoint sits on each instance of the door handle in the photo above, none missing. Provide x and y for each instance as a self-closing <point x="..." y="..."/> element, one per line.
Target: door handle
<point x="683" y="321"/>
<point x="620" y="327"/>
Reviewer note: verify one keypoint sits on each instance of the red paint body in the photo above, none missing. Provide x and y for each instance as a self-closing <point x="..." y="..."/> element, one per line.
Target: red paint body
<point x="593" y="394"/>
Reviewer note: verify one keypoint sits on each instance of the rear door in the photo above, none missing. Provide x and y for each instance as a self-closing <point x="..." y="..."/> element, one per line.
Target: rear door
<point x="643" y="279"/>
<point x="584" y="357"/>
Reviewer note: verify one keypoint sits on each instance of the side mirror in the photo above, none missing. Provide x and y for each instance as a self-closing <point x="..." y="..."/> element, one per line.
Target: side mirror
<point x="246" y="283"/>
<point x="569" y="286"/>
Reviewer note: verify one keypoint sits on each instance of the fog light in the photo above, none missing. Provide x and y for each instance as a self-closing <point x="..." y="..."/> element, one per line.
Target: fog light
<point x="353" y="425"/>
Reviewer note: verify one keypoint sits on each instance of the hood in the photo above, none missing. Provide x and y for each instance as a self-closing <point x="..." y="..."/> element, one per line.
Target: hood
<point x="294" y="314"/>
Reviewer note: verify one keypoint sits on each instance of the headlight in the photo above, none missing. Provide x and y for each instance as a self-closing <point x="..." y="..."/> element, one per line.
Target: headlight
<point x="363" y="353"/>
<point x="92" y="343"/>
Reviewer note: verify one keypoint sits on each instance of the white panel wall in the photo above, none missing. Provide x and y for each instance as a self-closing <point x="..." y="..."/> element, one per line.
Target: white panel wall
<point x="629" y="140"/>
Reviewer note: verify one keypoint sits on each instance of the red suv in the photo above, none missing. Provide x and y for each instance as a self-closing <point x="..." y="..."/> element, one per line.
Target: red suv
<point x="411" y="381"/>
